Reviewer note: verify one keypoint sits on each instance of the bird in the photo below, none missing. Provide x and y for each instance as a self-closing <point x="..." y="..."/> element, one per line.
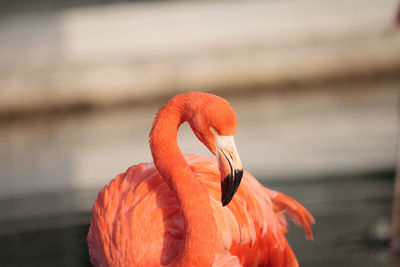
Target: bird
<point x="188" y="210"/>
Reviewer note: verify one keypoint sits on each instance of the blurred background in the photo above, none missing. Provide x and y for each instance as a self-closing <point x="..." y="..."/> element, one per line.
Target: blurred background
<point x="315" y="85"/>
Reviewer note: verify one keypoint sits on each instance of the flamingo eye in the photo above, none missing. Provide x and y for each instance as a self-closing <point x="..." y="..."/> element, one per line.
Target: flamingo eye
<point x="214" y="131"/>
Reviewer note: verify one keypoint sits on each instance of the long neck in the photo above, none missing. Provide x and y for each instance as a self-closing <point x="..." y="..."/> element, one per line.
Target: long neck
<point x="200" y="227"/>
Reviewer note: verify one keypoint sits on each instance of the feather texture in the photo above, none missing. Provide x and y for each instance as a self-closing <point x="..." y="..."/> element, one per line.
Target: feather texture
<point x="145" y="223"/>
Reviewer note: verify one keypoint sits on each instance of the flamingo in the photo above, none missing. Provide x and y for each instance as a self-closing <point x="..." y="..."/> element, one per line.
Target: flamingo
<point x="188" y="210"/>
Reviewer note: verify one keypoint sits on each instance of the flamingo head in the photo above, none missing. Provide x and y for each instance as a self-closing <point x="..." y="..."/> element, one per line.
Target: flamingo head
<point x="214" y="123"/>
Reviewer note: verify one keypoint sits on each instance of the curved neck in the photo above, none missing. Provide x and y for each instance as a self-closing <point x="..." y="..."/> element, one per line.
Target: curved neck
<point x="200" y="226"/>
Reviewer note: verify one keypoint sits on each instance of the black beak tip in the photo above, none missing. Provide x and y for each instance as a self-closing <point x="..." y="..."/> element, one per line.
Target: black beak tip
<point x="229" y="186"/>
<point x="239" y="175"/>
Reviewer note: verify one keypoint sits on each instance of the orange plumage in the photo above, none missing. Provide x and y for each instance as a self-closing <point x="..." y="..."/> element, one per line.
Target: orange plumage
<point x="169" y="213"/>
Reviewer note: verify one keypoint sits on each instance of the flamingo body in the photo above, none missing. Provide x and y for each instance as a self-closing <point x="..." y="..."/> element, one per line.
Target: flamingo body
<point x="169" y="212"/>
<point x="147" y="224"/>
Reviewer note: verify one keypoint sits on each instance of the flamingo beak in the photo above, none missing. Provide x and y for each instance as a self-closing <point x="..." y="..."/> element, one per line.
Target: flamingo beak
<point x="230" y="167"/>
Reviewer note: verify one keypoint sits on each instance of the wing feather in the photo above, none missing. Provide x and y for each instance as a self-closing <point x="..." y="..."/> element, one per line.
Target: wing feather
<point x="145" y="223"/>
<point x="253" y="225"/>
